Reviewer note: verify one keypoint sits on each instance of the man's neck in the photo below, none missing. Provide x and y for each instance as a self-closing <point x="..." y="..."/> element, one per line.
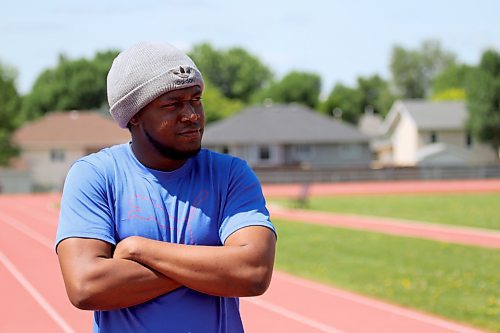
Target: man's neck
<point x="151" y="158"/>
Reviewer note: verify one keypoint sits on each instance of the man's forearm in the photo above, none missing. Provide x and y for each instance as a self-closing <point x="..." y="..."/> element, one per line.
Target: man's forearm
<point x="104" y="283"/>
<point x="210" y="270"/>
<point x="118" y="283"/>
<point x="239" y="269"/>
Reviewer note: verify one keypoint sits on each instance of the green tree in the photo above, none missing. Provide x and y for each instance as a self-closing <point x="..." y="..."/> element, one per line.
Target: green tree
<point x="298" y="87"/>
<point x="350" y="103"/>
<point x="375" y="93"/>
<point x="10" y="119"/>
<point x="483" y="99"/>
<point x="344" y="102"/>
<point x="72" y="84"/>
<point x="450" y="83"/>
<point x="216" y="105"/>
<point x="235" y="72"/>
<point x="451" y="94"/>
<point x="413" y="70"/>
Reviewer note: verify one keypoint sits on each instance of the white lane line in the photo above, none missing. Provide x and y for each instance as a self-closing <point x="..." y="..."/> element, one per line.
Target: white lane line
<point x="293" y="315"/>
<point x="26" y="230"/>
<point x="35" y="294"/>
<point x="457" y="328"/>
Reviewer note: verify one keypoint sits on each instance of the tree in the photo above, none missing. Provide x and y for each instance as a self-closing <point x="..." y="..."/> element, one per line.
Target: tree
<point x="375" y="93"/>
<point x="450" y="83"/>
<point x="344" y="102"/>
<point x="10" y="119"/>
<point x="298" y="87"/>
<point x="451" y="94"/>
<point x="216" y="105"/>
<point x="483" y="99"/>
<point x="413" y="70"/>
<point x="350" y="103"/>
<point x="72" y="84"/>
<point x="235" y="72"/>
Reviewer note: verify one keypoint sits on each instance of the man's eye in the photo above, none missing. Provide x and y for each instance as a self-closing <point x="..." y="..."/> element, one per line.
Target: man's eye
<point x="169" y="106"/>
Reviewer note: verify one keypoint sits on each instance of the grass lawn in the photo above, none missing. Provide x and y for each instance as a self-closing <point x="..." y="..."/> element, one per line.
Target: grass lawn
<point x="458" y="282"/>
<point x="473" y="210"/>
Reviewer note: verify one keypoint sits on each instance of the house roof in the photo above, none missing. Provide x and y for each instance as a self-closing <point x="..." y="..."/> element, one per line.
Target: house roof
<point x="428" y="115"/>
<point x="370" y="124"/>
<point x="281" y="124"/>
<point x="82" y="129"/>
<point x="443" y="153"/>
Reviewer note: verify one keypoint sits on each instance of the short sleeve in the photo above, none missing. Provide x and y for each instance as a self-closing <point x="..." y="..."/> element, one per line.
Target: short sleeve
<point x="85" y="209"/>
<point x="245" y="204"/>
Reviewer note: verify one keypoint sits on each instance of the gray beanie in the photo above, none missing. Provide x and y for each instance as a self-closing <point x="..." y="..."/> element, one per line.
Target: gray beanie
<point x="144" y="72"/>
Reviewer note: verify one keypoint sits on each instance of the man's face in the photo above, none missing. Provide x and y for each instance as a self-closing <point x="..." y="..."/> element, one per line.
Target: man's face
<point x="173" y="123"/>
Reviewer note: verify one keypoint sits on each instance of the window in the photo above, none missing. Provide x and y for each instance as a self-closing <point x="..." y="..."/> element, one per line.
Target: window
<point x="468" y="140"/>
<point x="433" y="137"/>
<point x="57" y="155"/>
<point x="303" y="149"/>
<point x="264" y="153"/>
<point x="350" y="151"/>
<point x="303" y="152"/>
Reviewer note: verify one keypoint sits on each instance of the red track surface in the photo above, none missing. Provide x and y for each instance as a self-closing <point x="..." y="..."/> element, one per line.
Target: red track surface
<point x="450" y="234"/>
<point x="33" y="296"/>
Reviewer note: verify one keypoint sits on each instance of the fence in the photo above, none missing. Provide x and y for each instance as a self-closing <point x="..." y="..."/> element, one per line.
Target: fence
<point x="385" y="174"/>
<point x="14" y="181"/>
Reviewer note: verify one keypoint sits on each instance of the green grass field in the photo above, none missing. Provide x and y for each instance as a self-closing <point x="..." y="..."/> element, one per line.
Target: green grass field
<point x="473" y="210"/>
<point x="458" y="282"/>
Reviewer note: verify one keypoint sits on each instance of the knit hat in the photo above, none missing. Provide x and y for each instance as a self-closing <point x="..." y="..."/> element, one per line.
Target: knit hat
<point x="144" y="72"/>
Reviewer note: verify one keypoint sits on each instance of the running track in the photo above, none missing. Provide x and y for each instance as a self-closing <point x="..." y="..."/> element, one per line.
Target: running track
<point x="452" y="234"/>
<point x="449" y="234"/>
<point x="33" y="296"/>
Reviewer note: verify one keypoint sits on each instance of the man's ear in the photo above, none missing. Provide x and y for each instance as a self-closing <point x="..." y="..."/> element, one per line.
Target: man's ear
<point x="134" y="121"/>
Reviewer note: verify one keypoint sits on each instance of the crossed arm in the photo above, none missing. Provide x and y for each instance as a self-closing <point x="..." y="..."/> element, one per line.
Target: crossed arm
<point x="140" y="269"/>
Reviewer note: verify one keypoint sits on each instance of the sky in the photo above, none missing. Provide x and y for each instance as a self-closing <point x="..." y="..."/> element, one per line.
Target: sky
<point x="339" y="40"/>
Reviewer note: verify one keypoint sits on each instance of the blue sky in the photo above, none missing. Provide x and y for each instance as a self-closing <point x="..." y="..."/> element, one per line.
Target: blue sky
<point x="339" y="40"/>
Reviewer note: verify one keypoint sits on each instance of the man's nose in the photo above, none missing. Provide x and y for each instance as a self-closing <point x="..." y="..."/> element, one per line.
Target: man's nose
<point x="189" y="113"/>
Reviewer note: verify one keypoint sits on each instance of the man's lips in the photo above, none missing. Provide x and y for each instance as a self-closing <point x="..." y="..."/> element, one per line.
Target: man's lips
<point x="192" y="133"/>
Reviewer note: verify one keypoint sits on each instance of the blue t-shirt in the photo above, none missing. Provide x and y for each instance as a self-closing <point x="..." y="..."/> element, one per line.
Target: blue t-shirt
<point x="110" y="195"/>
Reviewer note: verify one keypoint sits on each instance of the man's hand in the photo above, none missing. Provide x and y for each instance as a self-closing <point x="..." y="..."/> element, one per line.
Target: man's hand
<point x="128" y="248"/>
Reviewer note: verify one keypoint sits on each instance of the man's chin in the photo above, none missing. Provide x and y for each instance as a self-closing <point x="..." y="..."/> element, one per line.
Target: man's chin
<point x="180" y="155"/>
<point x="172" y="152"/>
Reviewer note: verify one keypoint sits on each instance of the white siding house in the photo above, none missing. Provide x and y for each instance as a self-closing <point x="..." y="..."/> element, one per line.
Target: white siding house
<point x="424" y="133"/>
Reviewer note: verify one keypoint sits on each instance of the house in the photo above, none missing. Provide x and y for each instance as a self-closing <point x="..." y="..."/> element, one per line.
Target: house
<point x="370" y="124"/>
<point x="288" y="135"/>
<point x="426" y="133"/>
<point x="51" y="144"/>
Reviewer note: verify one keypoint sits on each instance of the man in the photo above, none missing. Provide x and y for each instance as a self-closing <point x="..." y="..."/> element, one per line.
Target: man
<point x="158" y="235"/>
